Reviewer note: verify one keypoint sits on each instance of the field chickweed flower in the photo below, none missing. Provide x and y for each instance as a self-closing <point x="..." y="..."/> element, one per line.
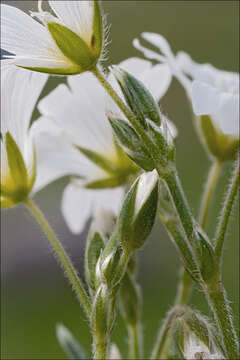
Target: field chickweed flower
<point x="214" y="95"/>
<point x="20" y="90"/>
<point x="68" y="42"/>
<point x="79" y="142"/>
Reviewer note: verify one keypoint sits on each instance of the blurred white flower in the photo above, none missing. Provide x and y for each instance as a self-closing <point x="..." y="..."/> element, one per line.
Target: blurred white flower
<point x="194" y="349"/>
<point x="68" y="42"/>
<point x="20" y="90"/>
<point x="213" y="92"/>
<point x="78" y="141"/>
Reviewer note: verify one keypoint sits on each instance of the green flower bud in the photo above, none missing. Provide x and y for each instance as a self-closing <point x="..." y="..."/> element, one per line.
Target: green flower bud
<point x="138" y="212"/>
<point x="69" y="344"/>
<point x="131" y="143"/>
<point x="221" y="146"/>
<point x="16" y="178"/>
<point x="137" y="97"/>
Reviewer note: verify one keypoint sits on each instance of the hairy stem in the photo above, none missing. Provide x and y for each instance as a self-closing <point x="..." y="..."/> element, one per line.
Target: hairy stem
<point x="218" y="301"/>
<point x="134" y="341"/>
<point x="226" y="212"/>
<point x="209" y="191"/>
<point x="62" y="256"/>
<point x="185" y="284"/>
<point x="100" y="352"/>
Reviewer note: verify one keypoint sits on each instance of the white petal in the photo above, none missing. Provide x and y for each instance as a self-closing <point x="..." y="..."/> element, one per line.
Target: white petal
<point x="76" y="15"/>
<point x="147" y="182"/>
<point x="44" y="63"/>
<point x="28" y="40"/>
<point x="161" y="43"/>
<point x="149" y="54"/>
<point x="56" y="157"/>
<point x="135" y="66"/>
<point x="20" y="90"/>
<point x="205" y="98"/>
<point x="157" y="80"/>
<point x="81" y="113"/>
<point x="227" y="115"/>
<point x="78" y="204"/>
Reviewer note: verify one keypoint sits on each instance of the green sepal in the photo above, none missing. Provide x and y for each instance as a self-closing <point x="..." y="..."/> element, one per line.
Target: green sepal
<point x="124" y="223"/>
<point x="138" y="98"/>
<point x="99" y="160"/>
<point x="208" y="262"/>
<point x="221" y="146"/>
<point x="17" y="184"/>
<point x="100" y="313"/>
<point x="109" y="265"/>
<point x="94" y="246"/>
<point x="97" y="37"/>
<point x="144" y="220"/>
<point x="72" y="46"/>
<point x="130" y="300"/>
<point x="109" y="182"/>
<point x="71" y="70"/>
<point x="69" y="344"/>
<point x="131" y="143"/>
<point x="6" y="202"/>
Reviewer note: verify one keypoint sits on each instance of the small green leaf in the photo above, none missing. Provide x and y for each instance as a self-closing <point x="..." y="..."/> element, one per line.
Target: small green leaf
<point x="208" y="263"/>
<point x="69" y="344"/>
<point x="100" y="311"/>
<point x="72" y="46"/>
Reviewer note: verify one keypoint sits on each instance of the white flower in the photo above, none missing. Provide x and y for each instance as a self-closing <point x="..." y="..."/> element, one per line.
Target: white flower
<point x="20" y="90"/>
<point x="68" y="42"/>
<point x="194" y="349"/>
<point x="73" y="121"/>
<point x="213" y="92"/>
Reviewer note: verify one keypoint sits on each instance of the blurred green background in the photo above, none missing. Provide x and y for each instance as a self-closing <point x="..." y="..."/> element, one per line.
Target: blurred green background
<point x="35" y="295"/>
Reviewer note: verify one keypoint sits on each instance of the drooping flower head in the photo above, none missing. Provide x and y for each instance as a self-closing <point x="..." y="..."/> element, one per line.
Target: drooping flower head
<point x="214" y="95"/>
<point x="20" y="90"/>
<point x="69" y="40"/>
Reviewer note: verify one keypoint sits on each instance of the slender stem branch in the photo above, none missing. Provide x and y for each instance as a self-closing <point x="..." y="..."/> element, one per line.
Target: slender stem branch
<point x="61" y="256"/>
<point x="209" y="191"/>
<point x="218" y="301"/>
<point x="180" y="202"/>
<point x="163" y="333"/>
<point x="226" y="212"/>
<point x="185" y="284"/>
<point x="134" y="342"/>
<point x="184" y="288"/>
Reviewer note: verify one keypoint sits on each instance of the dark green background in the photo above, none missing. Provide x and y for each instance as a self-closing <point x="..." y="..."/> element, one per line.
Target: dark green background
<point x="35" y="295"/>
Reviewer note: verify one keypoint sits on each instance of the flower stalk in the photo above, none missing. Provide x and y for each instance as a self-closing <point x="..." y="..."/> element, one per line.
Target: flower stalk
<point x="62" y="256"/>
<point x="226" y="212"/>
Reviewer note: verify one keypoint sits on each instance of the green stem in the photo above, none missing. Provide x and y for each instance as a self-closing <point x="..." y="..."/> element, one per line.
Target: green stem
<point x="184" y="288"/>
<point x="209" y="191"/>
<point x="185" y="285"/>
<point x="180" y="202"/>
<point x="134" y="341"/>
<point x="100" y="350"/>
<point x="62" y="256"/>
<point x="219" y="303"/>
<point x="226" y="212"/>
